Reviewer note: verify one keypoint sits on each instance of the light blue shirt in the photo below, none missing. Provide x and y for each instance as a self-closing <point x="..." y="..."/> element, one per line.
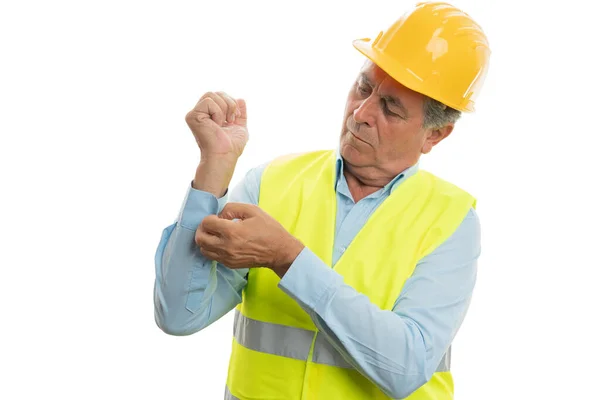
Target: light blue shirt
<point x="398" y="350"/>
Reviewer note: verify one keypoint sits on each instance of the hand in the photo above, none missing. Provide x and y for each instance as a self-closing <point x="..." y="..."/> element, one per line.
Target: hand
<point x="255" y="240"/>
<point x="219" y="125"/>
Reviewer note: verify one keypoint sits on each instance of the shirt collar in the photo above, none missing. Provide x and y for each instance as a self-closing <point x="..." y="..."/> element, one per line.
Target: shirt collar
<point x="388" y="188"/>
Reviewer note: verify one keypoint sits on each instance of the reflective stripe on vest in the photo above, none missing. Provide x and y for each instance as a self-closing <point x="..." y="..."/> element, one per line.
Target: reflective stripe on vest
<point x="228" y="395"/>
<point x="295" y="343"/>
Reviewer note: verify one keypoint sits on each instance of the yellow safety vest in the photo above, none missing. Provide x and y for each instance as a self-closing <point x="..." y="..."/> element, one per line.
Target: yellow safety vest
<point x="277" y="351"/>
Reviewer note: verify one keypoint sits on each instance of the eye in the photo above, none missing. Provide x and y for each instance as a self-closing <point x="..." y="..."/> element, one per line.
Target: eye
<point x="363" y="90"/>
<point x="389" y="112"/>
<point x="386" y="110"/>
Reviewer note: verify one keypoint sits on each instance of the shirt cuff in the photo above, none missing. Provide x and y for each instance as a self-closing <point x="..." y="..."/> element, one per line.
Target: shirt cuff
<point x="310" y="281"/>
<point x="198" y="205"/>
<point x="221" y="201"/>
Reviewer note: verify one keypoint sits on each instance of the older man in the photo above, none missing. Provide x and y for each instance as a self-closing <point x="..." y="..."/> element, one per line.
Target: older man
<point x="351" y="270"/>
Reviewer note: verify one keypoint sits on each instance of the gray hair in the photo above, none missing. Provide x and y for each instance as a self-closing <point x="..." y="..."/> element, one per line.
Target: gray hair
<point x="437" y="115"/>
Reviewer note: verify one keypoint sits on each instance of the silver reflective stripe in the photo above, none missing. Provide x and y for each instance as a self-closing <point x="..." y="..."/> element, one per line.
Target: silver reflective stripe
<point x="325" y="353"/>
<point x="444" y="365"/>
<point x="295" y="343"/>
<point x="271" y="338"/>
<point x="228" y="395"/>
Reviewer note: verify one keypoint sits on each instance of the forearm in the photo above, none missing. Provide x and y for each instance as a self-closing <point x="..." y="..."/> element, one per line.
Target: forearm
<point x="386" y="348"/>
<point x="191" y="291"/>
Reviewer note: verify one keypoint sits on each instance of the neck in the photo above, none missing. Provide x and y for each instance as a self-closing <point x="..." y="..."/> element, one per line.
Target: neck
<point x="358" y="189"/>
<point x="363" y="181"/>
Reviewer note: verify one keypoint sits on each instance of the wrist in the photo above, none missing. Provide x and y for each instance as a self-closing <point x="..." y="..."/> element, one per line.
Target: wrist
<point x="214" y="175"/>
<point x="290" y="253"/>
<point x="218" y="159"/>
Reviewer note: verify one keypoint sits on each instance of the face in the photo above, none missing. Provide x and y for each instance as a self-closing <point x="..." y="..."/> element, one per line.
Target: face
<point x="382" y="131"/>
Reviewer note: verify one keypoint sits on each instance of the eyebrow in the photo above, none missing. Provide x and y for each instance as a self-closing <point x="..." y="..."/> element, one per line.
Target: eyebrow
<point x="390" y="99"/>
<point x="364" y="78"/>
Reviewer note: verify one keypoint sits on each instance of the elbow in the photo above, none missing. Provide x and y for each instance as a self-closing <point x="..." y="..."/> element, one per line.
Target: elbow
<point x="403" y="388"/>
<point x="415" y="372"/>
<point x="174" y="320"/>
<point x="174" y="329"/>
<point x="173" y="326"/>
<point x="405" y="385"/>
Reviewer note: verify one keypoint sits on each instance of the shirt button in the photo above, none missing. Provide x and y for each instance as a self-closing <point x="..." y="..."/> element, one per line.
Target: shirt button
<point x="343" y="249"/>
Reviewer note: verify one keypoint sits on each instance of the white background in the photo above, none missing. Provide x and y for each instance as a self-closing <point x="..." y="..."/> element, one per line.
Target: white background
<point x="96" y="159"/>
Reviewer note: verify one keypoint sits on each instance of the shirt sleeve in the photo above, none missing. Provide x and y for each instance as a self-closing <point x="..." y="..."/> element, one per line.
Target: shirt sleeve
<point x="191" y="292"/>
<point x="398" y="350"/>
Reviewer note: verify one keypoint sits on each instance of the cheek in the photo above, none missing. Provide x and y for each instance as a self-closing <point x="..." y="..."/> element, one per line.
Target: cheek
<point x="352" y="103"/>
<point x="394" y="138"/>
<point x="349" y="111"/>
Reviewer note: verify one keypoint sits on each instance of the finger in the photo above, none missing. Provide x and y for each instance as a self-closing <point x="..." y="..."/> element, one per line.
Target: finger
<point x="232" y="107"/>
<point x="216" y="226"/>
<point x="222" y="259"/>
<point x="208" y="240"/>
<point x="239" y="211"/>
<point x="242" y="117"/>
<point x="223" y="102"/>
<point x="208" y="106"/>
<point x="211" y="255"/>
<point x="217" y="99"/>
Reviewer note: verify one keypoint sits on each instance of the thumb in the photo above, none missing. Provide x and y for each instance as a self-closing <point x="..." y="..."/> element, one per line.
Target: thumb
<point x="238" y="211"/>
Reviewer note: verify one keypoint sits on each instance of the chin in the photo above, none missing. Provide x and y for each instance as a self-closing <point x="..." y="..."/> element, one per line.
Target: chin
<point x="352" y="155"/>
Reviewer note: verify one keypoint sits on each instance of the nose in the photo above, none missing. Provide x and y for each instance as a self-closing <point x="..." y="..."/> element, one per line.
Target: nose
<point x="365" y="113"/>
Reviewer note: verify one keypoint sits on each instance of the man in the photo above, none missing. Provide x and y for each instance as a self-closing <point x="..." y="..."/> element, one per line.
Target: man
<point x="351" y="270"/>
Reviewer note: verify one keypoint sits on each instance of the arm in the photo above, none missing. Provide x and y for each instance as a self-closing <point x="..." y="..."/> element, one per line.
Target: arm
<point x="191" y="292"/>
<point x="398" y="350"/>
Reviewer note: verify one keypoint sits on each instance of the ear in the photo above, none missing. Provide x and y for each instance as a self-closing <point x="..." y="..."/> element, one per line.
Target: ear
<point x="434" y="136"/>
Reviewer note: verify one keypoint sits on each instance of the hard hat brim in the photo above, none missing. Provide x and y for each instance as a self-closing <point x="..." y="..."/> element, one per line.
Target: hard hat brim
<point x="400" y="74"/>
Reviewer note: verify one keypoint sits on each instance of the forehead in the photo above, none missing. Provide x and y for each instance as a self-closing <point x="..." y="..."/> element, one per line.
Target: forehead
<point x="378" y="77"/>
<point x="374" y="73"/>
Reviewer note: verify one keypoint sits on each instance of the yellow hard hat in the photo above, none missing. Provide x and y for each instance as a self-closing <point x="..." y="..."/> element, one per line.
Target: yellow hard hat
<point x="434" y="49"/>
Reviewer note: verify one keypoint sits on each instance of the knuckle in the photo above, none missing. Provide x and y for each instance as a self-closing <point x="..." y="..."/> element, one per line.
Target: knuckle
<point x="224" y="95"/>
<point x="198" y="240"/>
<point x="228" y="100"/>
<point x="193" y="120"/>
<point x="204" y="102"/>
<point x="222" y="254"/>
<point x="227" y="233"/>
<point x="203" y="224"/>
<point x="206" y="253"/>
